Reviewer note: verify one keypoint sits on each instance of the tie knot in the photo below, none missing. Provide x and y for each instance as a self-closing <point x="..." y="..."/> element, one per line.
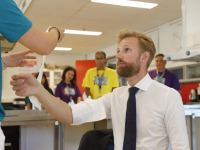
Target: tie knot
<point x="133" y="90"/>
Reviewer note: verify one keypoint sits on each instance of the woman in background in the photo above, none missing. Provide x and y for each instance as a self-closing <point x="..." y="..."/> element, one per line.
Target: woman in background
<point x="45" y="83"/>
<point x="67" y="90"/>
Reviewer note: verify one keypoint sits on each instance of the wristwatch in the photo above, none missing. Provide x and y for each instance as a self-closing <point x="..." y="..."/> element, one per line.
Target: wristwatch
<point x="3" y="64"/>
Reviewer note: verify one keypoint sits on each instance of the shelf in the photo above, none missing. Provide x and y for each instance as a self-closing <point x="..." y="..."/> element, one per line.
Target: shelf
<point x="189" y="80"/>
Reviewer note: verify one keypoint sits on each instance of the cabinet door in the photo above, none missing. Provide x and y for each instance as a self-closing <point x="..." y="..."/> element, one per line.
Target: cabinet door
<point x="57" y="77"/>
<point x="193" y="71"/>
<point x="178" y="72"/>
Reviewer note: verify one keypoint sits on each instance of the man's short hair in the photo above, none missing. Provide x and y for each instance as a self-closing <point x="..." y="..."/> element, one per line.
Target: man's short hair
<point x="101" y="52"/>
<point x="145" y="42"/>
<point x="160" y="55"/>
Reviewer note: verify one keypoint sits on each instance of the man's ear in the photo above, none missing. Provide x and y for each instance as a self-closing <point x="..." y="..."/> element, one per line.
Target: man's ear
<point x="145" y="57"/>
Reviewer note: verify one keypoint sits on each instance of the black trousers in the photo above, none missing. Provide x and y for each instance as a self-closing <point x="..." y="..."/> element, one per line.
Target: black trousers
<point x="97" y="140"/>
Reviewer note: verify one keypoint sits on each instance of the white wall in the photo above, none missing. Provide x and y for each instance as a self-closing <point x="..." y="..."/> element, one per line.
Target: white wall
<point x="110" y="51"/>
<point x="53" y="59"/>
<point x="164" y="46"/>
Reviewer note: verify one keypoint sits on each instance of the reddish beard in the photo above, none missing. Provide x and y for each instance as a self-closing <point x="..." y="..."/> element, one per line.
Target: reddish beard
<point x="128" y="69"/>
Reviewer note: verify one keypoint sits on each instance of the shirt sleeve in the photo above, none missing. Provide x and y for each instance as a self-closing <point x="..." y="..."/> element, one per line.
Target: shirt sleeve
<point x="13" y="23"/>
<point x="175" y="83"/>
<point x="175" y="121"/>
<point x="115" y="80"/>
<point x="91" y="110"/>
<point x="86" y="81"/>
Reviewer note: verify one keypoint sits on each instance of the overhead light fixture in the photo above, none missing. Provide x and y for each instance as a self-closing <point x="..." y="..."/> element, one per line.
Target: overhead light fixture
<point x="63" y="49"/>
<point x="82" y="32"/>
<point x="127" y="3"/>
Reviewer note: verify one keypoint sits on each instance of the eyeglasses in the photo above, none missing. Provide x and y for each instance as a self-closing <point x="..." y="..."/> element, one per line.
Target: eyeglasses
<point x="99" y="58"/>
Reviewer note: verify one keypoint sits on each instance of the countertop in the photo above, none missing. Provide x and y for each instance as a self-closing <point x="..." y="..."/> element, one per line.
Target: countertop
<point x="26" y="117"/>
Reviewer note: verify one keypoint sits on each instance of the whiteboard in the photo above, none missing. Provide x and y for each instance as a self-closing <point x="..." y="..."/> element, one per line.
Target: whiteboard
<point x="175" y="36"/>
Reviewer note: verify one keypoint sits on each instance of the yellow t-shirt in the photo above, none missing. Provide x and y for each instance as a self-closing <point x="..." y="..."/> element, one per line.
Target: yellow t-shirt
<point x="110" y="80"/>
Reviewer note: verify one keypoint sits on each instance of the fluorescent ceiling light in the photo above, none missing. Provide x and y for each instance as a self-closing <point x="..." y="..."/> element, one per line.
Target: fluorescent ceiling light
<point x="82" y="32"/>
<point x="63" y="49"/>
<point x="127" y="3"/>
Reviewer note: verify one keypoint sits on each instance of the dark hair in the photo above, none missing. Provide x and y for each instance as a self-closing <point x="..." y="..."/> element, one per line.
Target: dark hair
<point x="69" y="68"/>
<point x="102" y="53"/>
<point x="46" y="84"/>
<point x="160" y="55"/>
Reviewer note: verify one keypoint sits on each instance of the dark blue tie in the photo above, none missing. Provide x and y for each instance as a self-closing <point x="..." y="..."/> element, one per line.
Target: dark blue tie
<point x="130" y="124"/>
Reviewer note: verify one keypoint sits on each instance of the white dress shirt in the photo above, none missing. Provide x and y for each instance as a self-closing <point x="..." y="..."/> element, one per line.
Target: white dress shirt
<point x="160" y="115"/>
<point x="2" y="139"/>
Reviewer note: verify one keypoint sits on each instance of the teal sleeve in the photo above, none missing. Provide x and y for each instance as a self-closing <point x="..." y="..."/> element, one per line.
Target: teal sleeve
<point x="51" y="91"/>
<point x="13" y="23"/>
<point x="27" y="101"/>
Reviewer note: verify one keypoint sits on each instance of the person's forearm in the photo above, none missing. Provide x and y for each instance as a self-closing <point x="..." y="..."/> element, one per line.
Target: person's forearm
<point x="56" y="108"/>
<point x="41" y="43"/>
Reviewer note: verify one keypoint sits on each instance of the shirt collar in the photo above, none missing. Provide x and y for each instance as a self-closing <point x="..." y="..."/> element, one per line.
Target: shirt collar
<point x="144" y="83"/>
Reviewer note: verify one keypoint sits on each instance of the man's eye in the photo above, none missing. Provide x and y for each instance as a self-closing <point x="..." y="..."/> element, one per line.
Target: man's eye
<point x="128" y="49"/>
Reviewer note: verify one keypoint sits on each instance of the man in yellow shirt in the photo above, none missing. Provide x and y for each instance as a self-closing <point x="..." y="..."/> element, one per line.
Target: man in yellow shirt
<point x="101" y="79"/>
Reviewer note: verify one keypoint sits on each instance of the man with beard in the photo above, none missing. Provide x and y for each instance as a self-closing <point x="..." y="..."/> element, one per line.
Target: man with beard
<point x="100" y="80"/>
<point x="149" y="118"/>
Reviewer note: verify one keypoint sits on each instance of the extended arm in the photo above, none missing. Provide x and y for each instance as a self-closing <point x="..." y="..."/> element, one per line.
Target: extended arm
<point x="27" y="85"/>
<point x="39" y="42"/>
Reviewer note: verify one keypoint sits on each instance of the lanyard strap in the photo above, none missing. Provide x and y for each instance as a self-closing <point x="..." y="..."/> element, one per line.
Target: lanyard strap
<point x="160" y="77"/>
<point x="69" y="90"/>
<point x="100" y="80"/>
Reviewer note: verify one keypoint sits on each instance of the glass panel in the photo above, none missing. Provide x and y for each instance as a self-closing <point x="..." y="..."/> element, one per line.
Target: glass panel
<point x="56" y="81"/>
<point x="178" y="72"/>
<point x="194" y="71"/>
<point x="57" y="74"/>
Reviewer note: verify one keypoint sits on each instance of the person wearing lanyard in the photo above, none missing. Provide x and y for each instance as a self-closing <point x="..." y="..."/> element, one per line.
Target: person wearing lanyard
<point x="14" y="26"/>
<point x="67" y="90"/>
<point x="101" y="79"/>
<point x="163" y="75"/>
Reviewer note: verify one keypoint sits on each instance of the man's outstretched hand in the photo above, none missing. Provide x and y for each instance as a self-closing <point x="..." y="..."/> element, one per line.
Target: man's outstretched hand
<point x="25" y="85"/>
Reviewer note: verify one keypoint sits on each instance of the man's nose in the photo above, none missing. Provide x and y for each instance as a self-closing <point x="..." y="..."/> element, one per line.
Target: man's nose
<point x="119" y="56"/>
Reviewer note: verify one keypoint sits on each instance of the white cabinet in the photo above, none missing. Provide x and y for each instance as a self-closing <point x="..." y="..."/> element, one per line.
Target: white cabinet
<point x="54" y="76"/>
